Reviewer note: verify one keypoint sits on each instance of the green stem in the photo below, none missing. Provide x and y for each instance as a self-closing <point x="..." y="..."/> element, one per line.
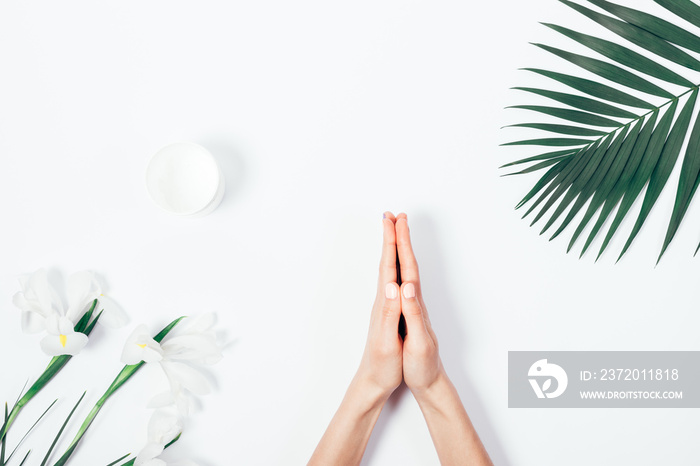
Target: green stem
<point x="125" y="374"/>
<point x="641" y="117"/>
<point x="132" y="460"/>
<point x="55" y="365"/>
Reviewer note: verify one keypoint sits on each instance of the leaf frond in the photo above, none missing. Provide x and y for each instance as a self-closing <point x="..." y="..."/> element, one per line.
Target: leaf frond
<point x="616" y="146"/>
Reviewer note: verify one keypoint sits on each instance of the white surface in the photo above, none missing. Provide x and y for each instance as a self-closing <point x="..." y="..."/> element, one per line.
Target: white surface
<point x="183" y="178"/>
<point x="322" y="115"/>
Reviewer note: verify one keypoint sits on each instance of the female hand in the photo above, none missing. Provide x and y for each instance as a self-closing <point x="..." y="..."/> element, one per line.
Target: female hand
<point x="381" y="366"/>
<point x="421" y="359"/>
<point x="388" y="359"/>
<point x="454" y="436"/>
<point x="380" y="370"/>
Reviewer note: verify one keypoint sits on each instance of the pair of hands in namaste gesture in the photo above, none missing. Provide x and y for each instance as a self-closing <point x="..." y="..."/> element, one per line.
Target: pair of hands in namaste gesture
<point x="390" y="359"/>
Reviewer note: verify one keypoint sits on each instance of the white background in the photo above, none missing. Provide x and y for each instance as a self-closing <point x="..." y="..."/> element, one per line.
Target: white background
<point x="322" y="115"/>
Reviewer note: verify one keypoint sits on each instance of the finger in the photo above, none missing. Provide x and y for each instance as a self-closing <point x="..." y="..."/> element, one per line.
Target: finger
<point x="391" y="311"/>
<point x="387" y="264"/>
<point x="409" y="265"/>
<point x="412" y="312"/>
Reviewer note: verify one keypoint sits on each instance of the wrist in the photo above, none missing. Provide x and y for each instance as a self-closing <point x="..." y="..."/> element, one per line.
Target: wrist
<point x="434" y="396"/>
<point x="366" y="395"/>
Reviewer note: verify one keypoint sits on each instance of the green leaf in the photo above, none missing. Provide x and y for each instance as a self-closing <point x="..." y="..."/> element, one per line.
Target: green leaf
<point x="610" y="174"/>
<point x="609" y="71"/>
<point x="535" y="167"/>
<point x="131" y="461"/>
<point x="565" y="142"/>
<point x="30" y="429"/>
<point x="635" y="142"/>
<point x="65" y="423"/>
<point x="563" y="181"/>
<point x="594" y="89"/>
<point x="687" y="185"/>
<point x="560" y="129"/>
<point x="92" y="324"/>
<point x="118" y="460"/>
<point x="4" y="439"/>
<point x="551" y="174"/>
<point x="55" y="365"/>
<point x="548" y="155"/>
<point x="634" y="186"/>
<point x="572" y="185"/>
<point x="657" y="26"/>
<point x="126" y="373"/>
<point x="24" y="460"/>
<point x="686" y="9"/>
<point x="640" y="37"/>
<point x="586" y="187"/>
<point x="85" y="318"/>
<point x="582" y="103"/>
<point x="624" y="56"/>
<point x="664" y="167"/>
<point x="572" y="115"/>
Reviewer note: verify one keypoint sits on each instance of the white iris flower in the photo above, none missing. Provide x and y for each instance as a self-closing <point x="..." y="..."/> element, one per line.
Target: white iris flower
<point x="140" y="346"/>
<point x="43" y="309"/>
<point x="61" y="338"/>
<point x="182" y="355"/>
<point x="163" y="427"/>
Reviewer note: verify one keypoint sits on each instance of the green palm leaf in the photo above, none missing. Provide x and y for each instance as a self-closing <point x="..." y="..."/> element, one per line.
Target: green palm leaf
<point x="613" y="145"/>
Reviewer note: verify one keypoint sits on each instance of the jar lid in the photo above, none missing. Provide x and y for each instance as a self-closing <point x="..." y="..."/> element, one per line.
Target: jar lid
<point x="184" y="179"/>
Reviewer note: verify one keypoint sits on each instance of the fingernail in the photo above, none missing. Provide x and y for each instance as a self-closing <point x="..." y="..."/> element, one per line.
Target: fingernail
<point x="409" y="291"/>
<point x="383" y="215"/>
<point x="390" y="291"/>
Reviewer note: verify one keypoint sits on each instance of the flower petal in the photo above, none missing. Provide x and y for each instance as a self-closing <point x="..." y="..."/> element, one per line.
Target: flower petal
<point x="183" y="403"/>
<point x="82" y="288"/>
<point x="39" y="289"/>
<point x="33" y="322"/>
<point x="113" y="316"/>
<point x="164" y="426"/>
<point x="137" y="333"/>
<point x="189" y="378"/>
<point x="75" y="342"/>
<point x="20" y="301"/>
<point x="162" y="400"/>
<point x="51" y="323"/>
<point x="147" y="453"/>
<point x="141" y="347"/>
<point x="65" y="326"/>
<point x="193" y="347"/>
<point x="57" y="345"/>
<point x="149" y="354"/>
<point x="131" y="354"/>
<point x="194" y="324"/>
<point x="176" y="397"/>
<point x="37" y="294"/>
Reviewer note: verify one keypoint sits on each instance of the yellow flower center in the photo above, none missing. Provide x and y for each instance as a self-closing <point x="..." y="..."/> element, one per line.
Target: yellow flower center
<point x="141" y="346"/>
<point x="63" y="339"/>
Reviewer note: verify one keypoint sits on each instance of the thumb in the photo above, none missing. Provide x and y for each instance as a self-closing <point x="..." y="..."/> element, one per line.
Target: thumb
<point x="412" y="312"/>
<point x="391" y="311"/>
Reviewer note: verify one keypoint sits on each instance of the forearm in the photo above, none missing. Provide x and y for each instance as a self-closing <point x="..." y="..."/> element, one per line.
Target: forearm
<point x="349" y="431"/>
<point x="453" y="434"/>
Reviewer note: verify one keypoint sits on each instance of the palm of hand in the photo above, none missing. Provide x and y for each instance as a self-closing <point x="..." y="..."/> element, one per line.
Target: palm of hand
<point x="421" y="362"/>
<point x="384" y="356"/>
<point x="389" y="359"/>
